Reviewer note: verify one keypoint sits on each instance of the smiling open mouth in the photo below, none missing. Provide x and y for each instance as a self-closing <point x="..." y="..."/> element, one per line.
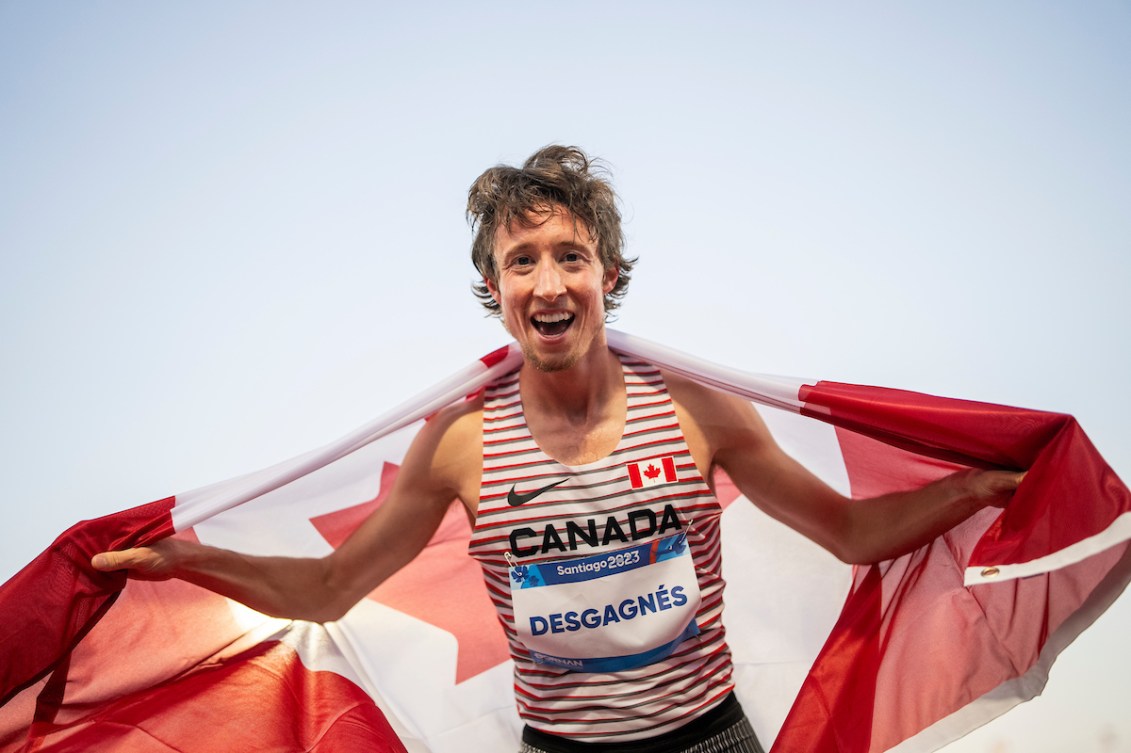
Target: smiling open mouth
<point x="551" y="324"/>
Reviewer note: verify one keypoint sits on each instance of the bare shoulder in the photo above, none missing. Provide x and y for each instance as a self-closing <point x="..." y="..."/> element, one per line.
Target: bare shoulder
<point x="712" y="409"/>
<point x="696" y="397"/>
<point x="446" y="455"/>
<point x="456" y="421"/>
<point x="713" y="419"/>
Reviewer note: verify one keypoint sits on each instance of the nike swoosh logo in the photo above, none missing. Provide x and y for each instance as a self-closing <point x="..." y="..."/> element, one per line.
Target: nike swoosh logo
<point x="514" y="499"/>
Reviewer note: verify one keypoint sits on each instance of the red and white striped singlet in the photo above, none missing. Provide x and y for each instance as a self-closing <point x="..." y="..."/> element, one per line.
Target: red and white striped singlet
<point x="593" y="513"/>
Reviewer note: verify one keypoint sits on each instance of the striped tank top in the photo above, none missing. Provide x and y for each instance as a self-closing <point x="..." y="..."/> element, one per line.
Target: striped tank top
<point x="534" y="510"/>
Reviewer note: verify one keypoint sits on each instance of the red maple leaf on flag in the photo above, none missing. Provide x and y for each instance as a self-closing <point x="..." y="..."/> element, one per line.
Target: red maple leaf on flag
<point x="651" y="471"/>
<point x="442" y="586"/>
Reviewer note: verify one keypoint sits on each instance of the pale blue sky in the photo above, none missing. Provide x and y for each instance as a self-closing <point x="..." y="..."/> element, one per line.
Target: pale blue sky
<point x="225" y="227"/>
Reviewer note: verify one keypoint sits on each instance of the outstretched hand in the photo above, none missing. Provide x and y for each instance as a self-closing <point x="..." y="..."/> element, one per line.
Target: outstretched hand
<point x="993" y="488"/>
<point x="154" y="562"/>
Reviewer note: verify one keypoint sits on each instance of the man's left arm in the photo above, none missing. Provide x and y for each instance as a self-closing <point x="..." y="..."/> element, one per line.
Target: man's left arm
<point x="724" y="431"/>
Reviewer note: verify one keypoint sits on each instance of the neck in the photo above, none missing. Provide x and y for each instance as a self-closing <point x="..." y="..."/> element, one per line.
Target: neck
<point x="584" y="392"/>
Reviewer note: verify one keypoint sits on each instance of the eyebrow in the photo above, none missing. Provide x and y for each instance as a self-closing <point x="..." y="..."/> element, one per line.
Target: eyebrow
<point x="525" y="248"/>
<point x="514" y="251"/>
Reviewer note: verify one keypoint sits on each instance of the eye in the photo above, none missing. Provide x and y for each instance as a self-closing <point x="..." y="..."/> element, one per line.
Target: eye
<point x="522" y="261"/>
<point x="571" y="256"/>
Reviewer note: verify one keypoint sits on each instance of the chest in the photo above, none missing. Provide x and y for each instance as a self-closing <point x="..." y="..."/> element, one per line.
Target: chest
<point x="577" y="443"/>
<point x="550" y="490"/>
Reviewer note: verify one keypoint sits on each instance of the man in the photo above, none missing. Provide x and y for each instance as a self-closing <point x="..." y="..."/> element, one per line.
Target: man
<point x="588" y="482"/>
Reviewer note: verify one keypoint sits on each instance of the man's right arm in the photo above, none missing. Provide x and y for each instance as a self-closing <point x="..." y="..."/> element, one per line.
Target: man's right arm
<point x="443" y="464"/>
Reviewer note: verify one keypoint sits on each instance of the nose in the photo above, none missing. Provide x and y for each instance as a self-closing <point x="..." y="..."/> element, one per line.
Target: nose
<point x="548" y="285"/>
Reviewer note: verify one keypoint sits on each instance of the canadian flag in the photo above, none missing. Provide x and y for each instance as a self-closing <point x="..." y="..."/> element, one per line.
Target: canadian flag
<point x="898" y="657"/>
<point x="652" y="472"/>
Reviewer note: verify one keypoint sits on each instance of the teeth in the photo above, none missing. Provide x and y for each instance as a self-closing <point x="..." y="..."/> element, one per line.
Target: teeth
<point x="551" y="318"/>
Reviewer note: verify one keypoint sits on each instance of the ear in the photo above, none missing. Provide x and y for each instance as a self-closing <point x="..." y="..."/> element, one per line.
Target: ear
<point x="492" y="288"/>
<point x="612" y="274"/>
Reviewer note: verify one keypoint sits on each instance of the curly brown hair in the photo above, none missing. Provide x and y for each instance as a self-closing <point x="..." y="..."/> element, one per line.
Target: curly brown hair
<point x="562" y="176"/>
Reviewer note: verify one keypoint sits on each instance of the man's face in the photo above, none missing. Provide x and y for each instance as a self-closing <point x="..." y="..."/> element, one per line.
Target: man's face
<point x="551" y="288"/>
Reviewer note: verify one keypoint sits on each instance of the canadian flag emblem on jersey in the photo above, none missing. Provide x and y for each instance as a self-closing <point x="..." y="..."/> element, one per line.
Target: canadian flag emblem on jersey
<point x="652" y="472"/>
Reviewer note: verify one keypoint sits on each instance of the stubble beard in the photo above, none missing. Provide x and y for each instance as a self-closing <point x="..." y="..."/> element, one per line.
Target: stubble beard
<point x="568" y="361"/>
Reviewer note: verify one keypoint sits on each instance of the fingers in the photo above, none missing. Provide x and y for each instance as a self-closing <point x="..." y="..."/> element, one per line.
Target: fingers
<point x="996" y="488"/>
<point x="998" y="482"/>
<point x="120" y="560"/>
<point x="144" y="563"/>
<point x="1010" y="480"/>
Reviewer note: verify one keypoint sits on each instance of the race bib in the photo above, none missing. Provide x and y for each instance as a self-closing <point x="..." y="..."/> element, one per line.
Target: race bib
<point x="608" y="612"/>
